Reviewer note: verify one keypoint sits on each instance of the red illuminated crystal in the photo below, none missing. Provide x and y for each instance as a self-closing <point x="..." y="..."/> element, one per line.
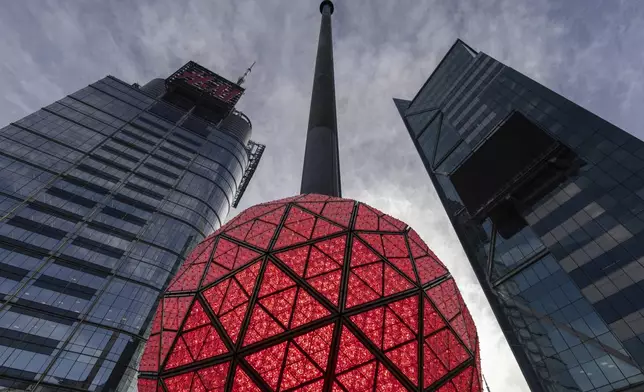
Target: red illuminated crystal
<point x="309" y="294"/>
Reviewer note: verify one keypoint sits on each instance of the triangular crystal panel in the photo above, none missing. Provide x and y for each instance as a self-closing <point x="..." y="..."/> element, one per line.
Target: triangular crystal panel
<point x="395" y="245"/>
<point x="261" y="326"/>
<point x="429" y="269"/>
<point x="280" y="305"/>
<point x="351" y="352"/>
<point x="361" y="379"/>
<point x="386" y="382"/>
<point x="371" y="323"/>
<point x="405" y="358"/>
<point x="179" y="383"/>
<point x="334" y="248"/>
<point x="359" y="292"/>
<point x="180" y="355"/>
<point x="295" y="259"/>
<point x="243" y="383"/>
<point x="433" y="369"/>
<point x="446" y="298"/>
<point x="315" y="207"/>
<point x="307" y="309"/>
<point x="317" y="344"/>
<point x="324" y="228"/>
<point x="268" y="363"/>
<point x="174" y="311"/>
<point x="360" y="254"/>
<point x="375" y="240"/>
<point x="196" y="317"/>
<point x="405" y="265"/>
<point x="298" y="369"/>
<point x="320" y="263"/>
<point x="328" y="285"/>
<point x="339" y="212"/>
<point x="213" y="378"/>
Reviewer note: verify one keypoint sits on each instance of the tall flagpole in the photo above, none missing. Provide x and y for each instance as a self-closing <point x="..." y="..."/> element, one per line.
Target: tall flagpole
<point x="321" y="171"/>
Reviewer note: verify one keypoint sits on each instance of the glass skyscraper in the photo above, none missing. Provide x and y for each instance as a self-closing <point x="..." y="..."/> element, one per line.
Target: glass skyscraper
<point x="547" y="200"/>
<point x="101" y="195"/>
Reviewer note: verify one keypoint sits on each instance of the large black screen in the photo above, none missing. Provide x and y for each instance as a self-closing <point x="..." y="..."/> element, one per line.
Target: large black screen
<point x="513" y="148"/>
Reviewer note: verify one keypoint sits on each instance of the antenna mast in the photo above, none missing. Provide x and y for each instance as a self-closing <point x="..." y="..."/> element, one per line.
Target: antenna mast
<point x="242" y="79"/>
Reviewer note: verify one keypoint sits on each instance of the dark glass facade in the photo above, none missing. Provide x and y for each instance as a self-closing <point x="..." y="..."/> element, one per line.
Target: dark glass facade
<point x="547" y="200"/>
<point x="101" y="195"/>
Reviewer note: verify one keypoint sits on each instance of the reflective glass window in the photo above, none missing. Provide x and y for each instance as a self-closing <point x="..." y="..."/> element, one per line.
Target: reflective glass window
<point x="427" y="139"/>
<point x="418" y="122"/>
<point x="543" y="289"/>
<point x="447" y="139"/>
<point x="511" y="252"/>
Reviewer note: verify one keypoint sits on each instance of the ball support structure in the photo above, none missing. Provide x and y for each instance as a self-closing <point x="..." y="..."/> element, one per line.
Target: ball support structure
<point x="312" y="293"/>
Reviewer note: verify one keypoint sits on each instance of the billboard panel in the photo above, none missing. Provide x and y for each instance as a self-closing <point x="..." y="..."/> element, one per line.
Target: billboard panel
<point x="200" y="80"/>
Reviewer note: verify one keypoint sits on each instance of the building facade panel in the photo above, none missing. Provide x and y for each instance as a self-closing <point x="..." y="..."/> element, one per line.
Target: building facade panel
<point x="558" y="248"/>
<point x="101" y="195"/>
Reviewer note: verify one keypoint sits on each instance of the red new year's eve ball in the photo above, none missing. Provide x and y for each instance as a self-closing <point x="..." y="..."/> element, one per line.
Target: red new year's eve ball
<point x="307" y="294"/>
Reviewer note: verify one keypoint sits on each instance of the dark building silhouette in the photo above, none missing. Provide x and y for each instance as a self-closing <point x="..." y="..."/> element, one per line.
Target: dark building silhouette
<point x="101" y="195"/>
<point x="547" y="200"/>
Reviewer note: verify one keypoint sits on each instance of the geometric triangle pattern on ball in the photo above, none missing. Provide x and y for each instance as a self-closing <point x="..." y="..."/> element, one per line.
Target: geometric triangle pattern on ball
<point x="312" y="293"/>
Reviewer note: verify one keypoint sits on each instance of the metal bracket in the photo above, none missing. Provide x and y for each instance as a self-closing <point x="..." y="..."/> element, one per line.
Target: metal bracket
<point x="255" y="151"/>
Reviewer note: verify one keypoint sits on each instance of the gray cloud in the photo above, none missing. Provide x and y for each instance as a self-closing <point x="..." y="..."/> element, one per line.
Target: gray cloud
<point x="586" y="50"/>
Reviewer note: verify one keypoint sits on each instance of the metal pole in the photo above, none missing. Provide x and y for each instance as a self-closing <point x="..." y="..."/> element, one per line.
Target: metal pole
<point x="321" y="171"/>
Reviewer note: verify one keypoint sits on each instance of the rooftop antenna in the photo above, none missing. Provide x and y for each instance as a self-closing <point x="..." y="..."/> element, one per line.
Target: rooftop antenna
<point x="241" y="80"/>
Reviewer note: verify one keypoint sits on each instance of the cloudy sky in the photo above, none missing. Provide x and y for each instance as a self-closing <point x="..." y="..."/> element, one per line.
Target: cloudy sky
<point x="587" y="50"/>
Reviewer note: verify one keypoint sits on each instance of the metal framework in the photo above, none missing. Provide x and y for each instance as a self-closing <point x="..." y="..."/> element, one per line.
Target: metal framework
<point x="255" y="151"/>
